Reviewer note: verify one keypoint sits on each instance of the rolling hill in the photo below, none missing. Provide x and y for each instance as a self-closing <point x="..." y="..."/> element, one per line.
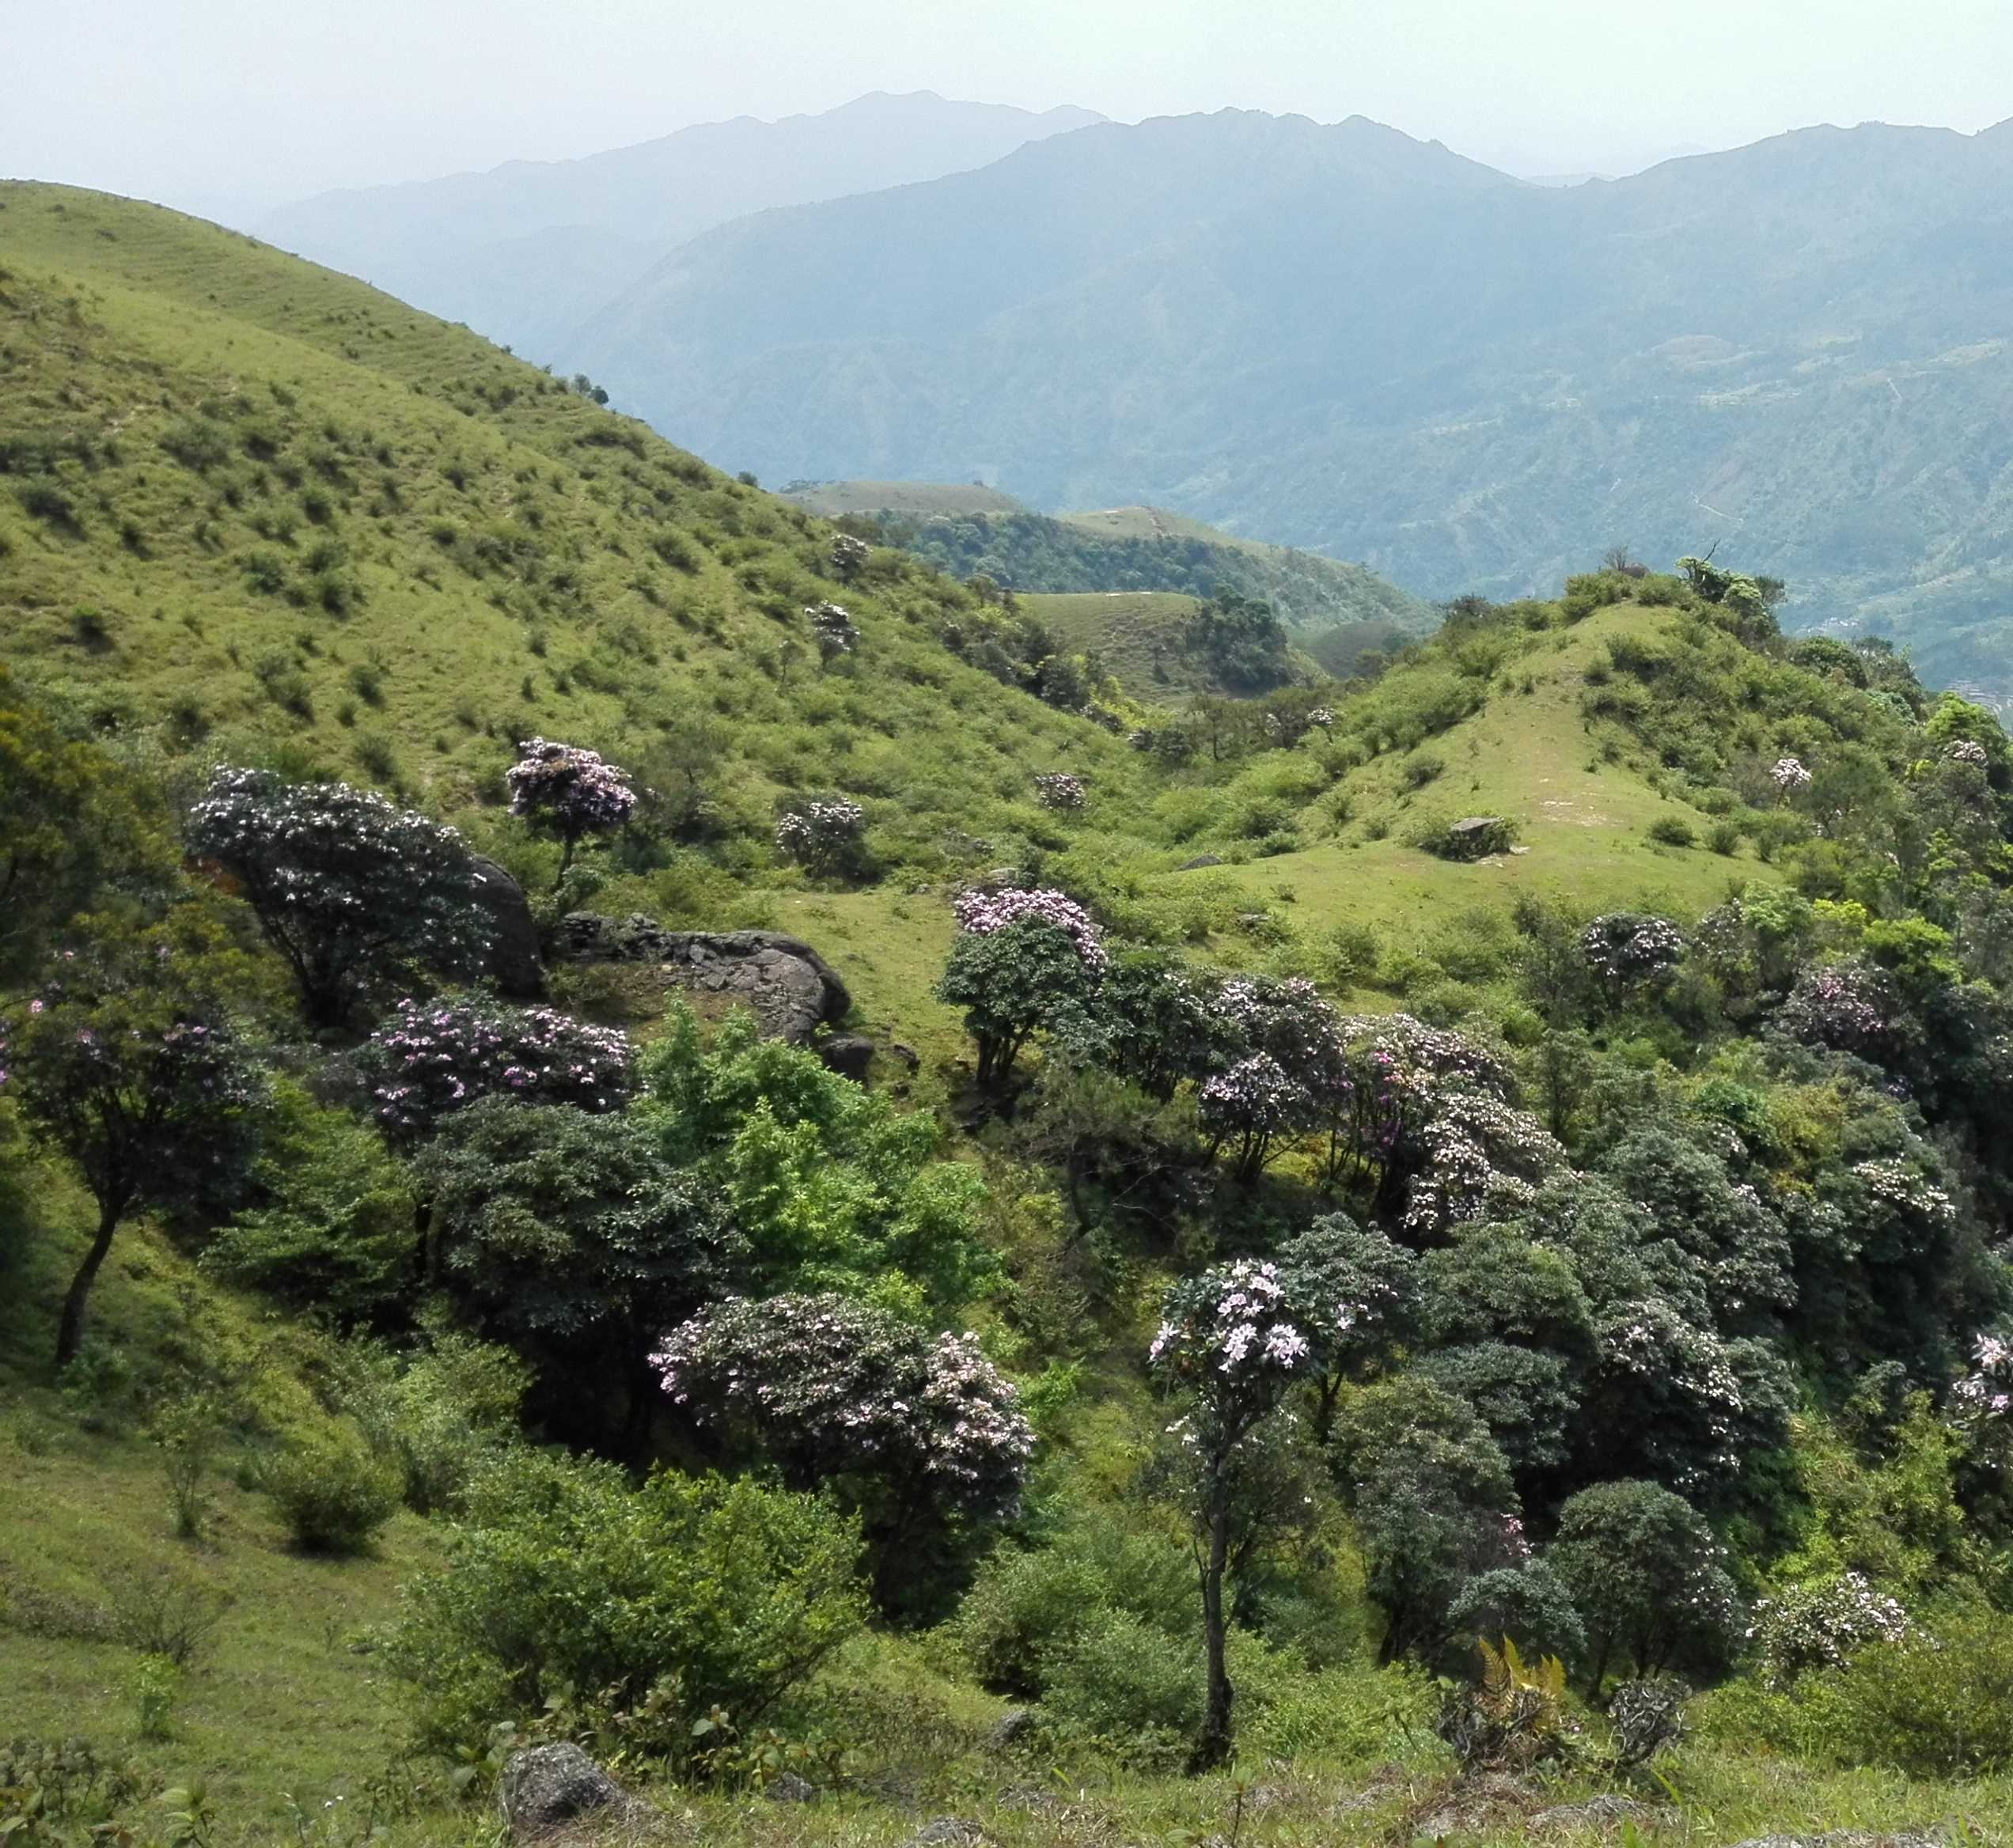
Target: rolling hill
<point x="977" y="531"/>
<point x="524" y="252"/>
<point x="1361" y="344"/>
<point x="253" y="510"/>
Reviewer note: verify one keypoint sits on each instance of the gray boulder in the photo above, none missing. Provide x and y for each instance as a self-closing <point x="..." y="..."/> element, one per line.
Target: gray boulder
<point x="512" y="962"/>
<point x="790" y="988"/>
<point x="1011" y="1728"/>
<point x="946" y="1832"/>
<point x="1199" y="860"/>
<point x="790" y="1787"/>
<point x="546" y="1786"/>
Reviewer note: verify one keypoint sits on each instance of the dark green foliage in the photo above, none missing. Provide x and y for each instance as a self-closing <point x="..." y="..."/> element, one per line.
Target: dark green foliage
<point x="1011" y="984"/>
<point x="1642" y="1568"/>
<point x="571" y="1237"/>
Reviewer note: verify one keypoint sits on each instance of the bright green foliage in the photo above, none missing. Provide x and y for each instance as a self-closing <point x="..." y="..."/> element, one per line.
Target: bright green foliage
<point x="332" y="1490"/>
<point x="562" y="1577"/>
<point x="830" y="1186"/>
<point x="332" y="1229"/>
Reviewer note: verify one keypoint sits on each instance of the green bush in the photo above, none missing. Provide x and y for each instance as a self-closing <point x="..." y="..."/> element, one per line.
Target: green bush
<point x="1939" y="1703"/>
<point x="1673" y="830"/>
<point x="1121" y="1680"/>
<point x="704" y="1591"/>
<point x="332" y="1490"/>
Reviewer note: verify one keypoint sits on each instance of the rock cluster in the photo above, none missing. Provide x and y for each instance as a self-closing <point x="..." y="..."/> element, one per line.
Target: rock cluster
<point x="790" y="988"/>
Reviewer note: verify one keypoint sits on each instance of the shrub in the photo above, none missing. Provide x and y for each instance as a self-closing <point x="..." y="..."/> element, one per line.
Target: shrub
<point x="155" y="1685"/>
<point x="1938" y="1703"/>
<point x="1673" y="830"/>
<point x="824" y="838"/>
<point x="921" y="1434"/>
<point x="1120" y="1680"/>
<point x="560" y="1577"/>
<point x="350" y="890"/>
<point x="332" y="1491"/>
<point x="438" y="1057"/>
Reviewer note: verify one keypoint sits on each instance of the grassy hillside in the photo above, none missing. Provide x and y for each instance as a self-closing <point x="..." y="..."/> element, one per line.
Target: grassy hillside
<point x="978" y="531"/>
<point x="1140" y="637"/>
<point x="255" y="509"/>
<point x="1642" y="1271"/>
<point x="1344" y="340"/>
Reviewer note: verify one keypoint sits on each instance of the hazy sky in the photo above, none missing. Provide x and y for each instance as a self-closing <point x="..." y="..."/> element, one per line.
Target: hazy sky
<point x="229" y="105"/>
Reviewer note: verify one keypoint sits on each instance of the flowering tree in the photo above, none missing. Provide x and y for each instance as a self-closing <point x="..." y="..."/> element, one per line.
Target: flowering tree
<point x="1060" y="791"/>
<point x="568" y="792"/>
<point x="126" y="1064"/>
<point x="1354" y="1288"/>
<point x="848" y="557"/>
<point x="1790" y="775"/>
<point x="918" y="1432"/>
<point x="1479" y="1153"/>
<point x="1021" y="958"/>
<point x="1969" y="750"/>
<point x="1629" y="951"/>
<point x="351" y="890"/>
<point x="1849" y="1007"/>
<point x="1288" y="1071"/>
<point x="438" y="1057"/>
<point x="833" y="629"/>
<point x="822" y="837"/>
<point x="1230" y="1342"/>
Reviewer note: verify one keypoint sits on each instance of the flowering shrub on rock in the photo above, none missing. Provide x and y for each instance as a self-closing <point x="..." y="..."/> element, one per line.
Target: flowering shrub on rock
<point x="438" y="1056"/>
<point x="1822" y="1625"/>
<point x="351" y="890"/>
<point x="833" y="630"/>
<point x="918" y="1432"/>
<point x="568" y="792"/>
<point x="1060" y="791"/>
<point x="822" y="837"/>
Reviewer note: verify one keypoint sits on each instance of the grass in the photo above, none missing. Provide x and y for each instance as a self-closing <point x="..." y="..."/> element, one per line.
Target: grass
<point x="929" y="499"/>
<point x="1140" y="637"/>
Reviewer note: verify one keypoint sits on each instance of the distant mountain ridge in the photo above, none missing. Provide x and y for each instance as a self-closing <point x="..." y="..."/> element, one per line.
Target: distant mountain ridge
<point x="1365" y="345"/>
<point x="524" y="251"/>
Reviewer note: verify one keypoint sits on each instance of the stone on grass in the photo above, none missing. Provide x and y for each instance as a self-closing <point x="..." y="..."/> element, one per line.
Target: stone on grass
<point x="546" y="1786"/>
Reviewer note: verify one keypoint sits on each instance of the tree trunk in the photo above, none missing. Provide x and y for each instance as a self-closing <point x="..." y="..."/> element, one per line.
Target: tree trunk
<point x="1214" y="1746"/>
<point x="70" y="1334"/>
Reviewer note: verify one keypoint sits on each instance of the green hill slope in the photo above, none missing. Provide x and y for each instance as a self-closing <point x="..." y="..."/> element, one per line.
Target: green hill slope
<point x="978" y="531"/>
<point x="1351" y="342"/>
<point x="249" y="509"/>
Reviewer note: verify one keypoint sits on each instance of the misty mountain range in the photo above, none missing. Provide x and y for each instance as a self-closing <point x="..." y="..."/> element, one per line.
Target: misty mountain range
<point x="1333" y="336"/>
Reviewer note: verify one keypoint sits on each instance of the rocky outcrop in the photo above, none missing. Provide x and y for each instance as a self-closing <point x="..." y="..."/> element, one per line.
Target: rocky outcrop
<point x="790" y="988"/>
<point x="512" y="962"/>
<point x="850" y="1054"/>
<point x="548" y="1786"/>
